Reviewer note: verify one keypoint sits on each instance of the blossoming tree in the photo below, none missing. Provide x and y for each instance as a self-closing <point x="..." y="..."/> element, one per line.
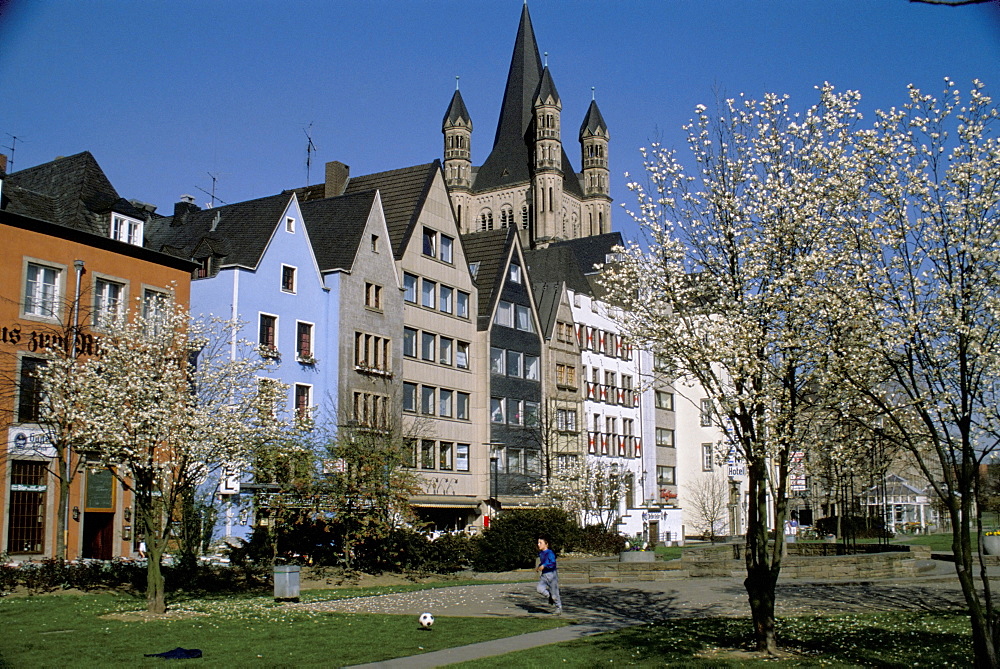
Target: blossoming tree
<point x="163" y="405"/>
<point x="926" y="308"/>
<point x="725" y="295"/>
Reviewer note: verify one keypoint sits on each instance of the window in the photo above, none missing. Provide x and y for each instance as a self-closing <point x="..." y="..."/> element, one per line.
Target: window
<point x="462" y="406"/>
<point x="303" y="340"/>
<point x="664" y="400"/>
<point x="427" y="394"/>
<point x="373" y="296"/>
<point x="108" y="302"/>
<point x="268" y="332"/>
<point x="29" y="390"/>
<point x="303" y="394"/>
<point x="564" y="332"/>
<point x="514" y="465"/>
<point x="428" y="289"/>
<point x="531" y="414"/>
<point x="427" y="346"/>
<point x="446" y="405"/>
<point x="462" y="457"/>
<point x="447" y="249"/>
<point x="445" y="299"/>
<point x="409" y="342"/>
<point x="566" y="420"/>
<point x="496" y="410"/>
<point x="462" y="304"/>
<point x="374" y="243"/>
<point x="445" y="350"/>
<point x="430" y="243"/>
<point x="565" y="375"/>
<point x="514" y="273"/>
<point x="462" y="355"/>
<point x="427" y="454"/>
<point x="371" y="410"/>
<point x="154" y="305"/>
<point x="706" y="412"/>
<point x="531" y="366"/>
<point x="287" y="279"/>
<point x="524" y="216"/>
<point x="26" y="526"/>
<point x="505" y="314"/>
<point x="445" y="461"/>
<point x="372" y="353"/>
<point x="515" y="411"/>
<point x="486" y="219"/>
<point x="128" y="230"/>
<point x="665" y="475"/>
<point x="290" y="224"/>
<point x="497" y="365"/>
<point x="665" y="438"/>
<point x="409" y="397"/>
<point x="524" y="318"/>
<point x="707" y="459"/>
<point x="410" y="453"/>
<point x="41" y="291"/>
<point x="410" y="288"/>
<point x="514" y="363"/>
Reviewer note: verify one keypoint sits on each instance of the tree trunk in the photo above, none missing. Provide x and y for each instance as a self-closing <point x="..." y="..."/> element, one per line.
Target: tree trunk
<point x="62" y="533"/>
<point x="762" y="572"/>
<point x="984" y="628"/>
<point x="156" y="600"/>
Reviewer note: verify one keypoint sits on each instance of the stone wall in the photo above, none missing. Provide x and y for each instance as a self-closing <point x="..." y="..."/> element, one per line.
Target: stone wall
<point x="613" y="571"/>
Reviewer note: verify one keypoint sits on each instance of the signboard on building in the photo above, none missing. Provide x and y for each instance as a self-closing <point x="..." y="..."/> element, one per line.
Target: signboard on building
<point x="29" y="441"/>
<point x="736" y="466"/>
<point x="797" y="471"/>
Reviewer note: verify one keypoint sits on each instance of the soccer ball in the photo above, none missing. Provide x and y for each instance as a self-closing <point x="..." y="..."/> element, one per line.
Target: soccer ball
<point x="426" y="620"/>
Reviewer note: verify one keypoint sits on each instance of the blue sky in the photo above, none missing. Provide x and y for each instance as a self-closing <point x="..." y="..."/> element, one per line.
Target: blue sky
<point x="164" y="92"/>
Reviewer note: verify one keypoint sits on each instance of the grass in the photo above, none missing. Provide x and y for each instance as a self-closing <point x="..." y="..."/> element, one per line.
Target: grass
<point x="668" y="552"/>
<point x="240" y="631"/>
<point x="937" y="542"/>
<point x="874" y="639"/>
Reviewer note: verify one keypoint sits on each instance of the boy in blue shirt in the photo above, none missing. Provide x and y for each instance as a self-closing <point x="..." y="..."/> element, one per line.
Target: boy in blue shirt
<point x="548" y="582"/>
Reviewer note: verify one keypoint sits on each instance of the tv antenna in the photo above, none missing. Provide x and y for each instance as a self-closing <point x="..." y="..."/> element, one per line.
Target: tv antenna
<point x="215" y="179"/>
<point x="12" y="147"/>
<point x="310" y="149"/>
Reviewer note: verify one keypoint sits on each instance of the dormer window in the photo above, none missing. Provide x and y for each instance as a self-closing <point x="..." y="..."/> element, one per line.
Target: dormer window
<point x="125" y="229"/>
<point x="515" y="273"/>
<point x="290" y="224"/>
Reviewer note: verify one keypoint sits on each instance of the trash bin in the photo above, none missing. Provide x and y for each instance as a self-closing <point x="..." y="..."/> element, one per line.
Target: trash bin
<point x="286" y="582"/>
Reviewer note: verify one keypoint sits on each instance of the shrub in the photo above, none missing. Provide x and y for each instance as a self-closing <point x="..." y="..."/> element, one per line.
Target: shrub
<point x="598" y="540"/>
<point x="862" y="527"/>
<point x="510" y="540"/>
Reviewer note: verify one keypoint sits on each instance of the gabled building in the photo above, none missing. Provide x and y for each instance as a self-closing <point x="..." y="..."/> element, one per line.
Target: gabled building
<point x="316" y="286"/>
<point x="441" y="348"/>
<point x="508" y="322"/>
<point x="528" y="182"/>
<point x="73" y="258"/>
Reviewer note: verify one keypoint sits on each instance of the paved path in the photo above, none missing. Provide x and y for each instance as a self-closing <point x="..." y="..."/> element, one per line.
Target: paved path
<point x="593" y="609"/>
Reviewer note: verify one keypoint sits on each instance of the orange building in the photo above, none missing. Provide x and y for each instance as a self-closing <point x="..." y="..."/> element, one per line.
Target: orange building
<point x="72" y="254"/>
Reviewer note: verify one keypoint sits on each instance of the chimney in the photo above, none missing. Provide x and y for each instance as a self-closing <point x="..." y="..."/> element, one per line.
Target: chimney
<point x="3" y="164"/>
<point x="182" y="209"/>
<point x="337" y="174"/>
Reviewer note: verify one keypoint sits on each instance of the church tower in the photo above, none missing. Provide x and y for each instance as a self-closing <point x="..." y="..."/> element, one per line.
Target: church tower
<point x="527" y="182"/>
<point x="594" y="153"/>
<point x="457" y="129"/>
<point x="548" y="174"/>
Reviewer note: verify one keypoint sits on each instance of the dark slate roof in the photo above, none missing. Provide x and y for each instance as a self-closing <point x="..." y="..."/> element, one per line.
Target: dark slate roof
<point x="403" y="194"/>
<point x="336" y="226"/>
<point x="547" y="296"/>
<point x="490" y="249"/>
<point x="556" y="264"/>
<point x="457" y="113"/>
<point x="547" y="89"/>
<point x="71" y="191"/>
<point x="241" y="231"/>
<point x="593" y="122"/>
<point x="593" y="250"/>
<point x="511" y="159"/>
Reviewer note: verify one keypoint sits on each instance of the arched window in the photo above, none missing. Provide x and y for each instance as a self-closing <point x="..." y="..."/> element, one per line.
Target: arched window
<point x="524" y="216"/>
<point x="486" y="219"/>
<point x="506" y="216"/>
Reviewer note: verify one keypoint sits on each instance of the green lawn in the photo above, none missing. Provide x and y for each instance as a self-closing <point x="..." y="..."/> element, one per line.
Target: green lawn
<point x="247" y="631"/>
<point x="876" y="639"/>
<point x="937" y="542"/>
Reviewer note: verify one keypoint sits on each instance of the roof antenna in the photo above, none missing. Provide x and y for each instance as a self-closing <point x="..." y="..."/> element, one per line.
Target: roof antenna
<point x="13" y="145"/>
<point x="310" y="149"/>
<point x="215" y="179"/>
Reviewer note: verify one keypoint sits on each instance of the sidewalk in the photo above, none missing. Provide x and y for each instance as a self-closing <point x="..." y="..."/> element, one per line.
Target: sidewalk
<point x="593" y="609"/>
